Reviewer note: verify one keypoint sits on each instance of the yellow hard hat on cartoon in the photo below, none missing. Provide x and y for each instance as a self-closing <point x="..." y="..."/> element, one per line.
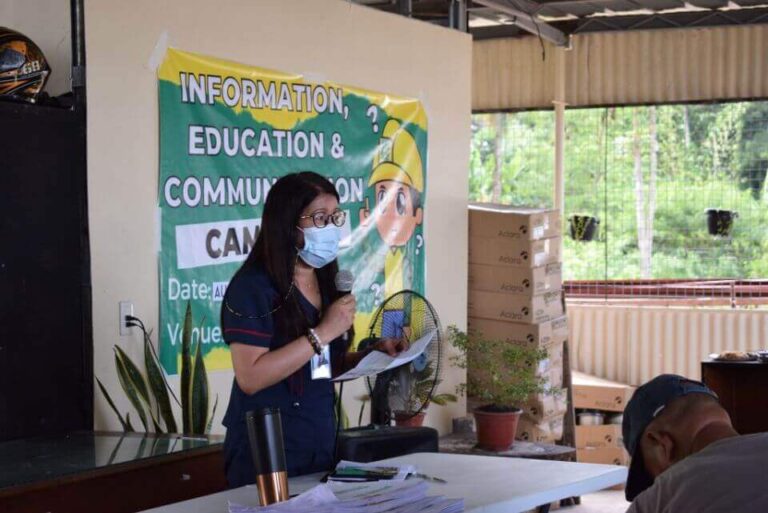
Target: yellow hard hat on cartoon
<point x="397" y="158"/>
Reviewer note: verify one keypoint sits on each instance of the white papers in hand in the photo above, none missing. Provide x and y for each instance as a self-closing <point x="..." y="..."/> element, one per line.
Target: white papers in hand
<point x="377" y="362"/>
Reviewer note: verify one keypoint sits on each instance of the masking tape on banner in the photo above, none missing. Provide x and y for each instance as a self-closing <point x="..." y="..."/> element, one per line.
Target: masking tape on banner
<point x="158" y="229"/>
<point x="422" y="97"/>
<point x="314" y="78"/>
<point x="156" y="57"/>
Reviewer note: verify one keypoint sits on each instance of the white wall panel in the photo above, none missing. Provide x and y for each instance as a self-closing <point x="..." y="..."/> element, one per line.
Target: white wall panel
<point x="634" y="344"/>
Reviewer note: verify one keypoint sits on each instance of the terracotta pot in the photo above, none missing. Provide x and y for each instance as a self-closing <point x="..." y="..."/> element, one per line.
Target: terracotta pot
<point x="496" y="430"/>
<point x="407" y="419"/>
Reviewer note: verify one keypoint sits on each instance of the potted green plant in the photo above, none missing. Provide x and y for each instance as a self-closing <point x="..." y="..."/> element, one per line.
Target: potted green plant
<point x="502" y="376"/>
<point x="422" y="391"/>
<point x="583" y="227"/>
<point x="720" y="222"/>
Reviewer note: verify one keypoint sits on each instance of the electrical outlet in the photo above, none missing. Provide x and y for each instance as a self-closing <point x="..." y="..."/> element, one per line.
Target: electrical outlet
<point x="125" y="308"/>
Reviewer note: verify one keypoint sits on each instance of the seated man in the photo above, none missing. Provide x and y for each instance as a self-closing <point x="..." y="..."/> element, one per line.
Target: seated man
<point x="686" y="456"/>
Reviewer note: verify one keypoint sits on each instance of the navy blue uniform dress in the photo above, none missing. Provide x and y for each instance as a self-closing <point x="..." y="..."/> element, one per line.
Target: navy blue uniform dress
<point x="306" y="405"/>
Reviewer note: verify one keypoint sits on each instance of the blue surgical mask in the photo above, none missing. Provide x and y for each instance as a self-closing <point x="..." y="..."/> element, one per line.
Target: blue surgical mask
<point x="321" y="245"/>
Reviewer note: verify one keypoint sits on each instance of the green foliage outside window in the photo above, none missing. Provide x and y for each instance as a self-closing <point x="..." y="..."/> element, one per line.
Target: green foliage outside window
<point x="704" y="156"/>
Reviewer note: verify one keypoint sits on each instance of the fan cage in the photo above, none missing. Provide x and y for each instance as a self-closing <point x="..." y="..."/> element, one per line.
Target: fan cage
<point x="382" y="414"/>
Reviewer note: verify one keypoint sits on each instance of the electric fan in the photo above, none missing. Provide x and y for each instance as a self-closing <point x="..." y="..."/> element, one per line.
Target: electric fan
<point x="406" y="390"/>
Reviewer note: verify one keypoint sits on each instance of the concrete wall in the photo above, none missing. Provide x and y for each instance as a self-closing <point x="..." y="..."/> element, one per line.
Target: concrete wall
<point x="328" y="39"/>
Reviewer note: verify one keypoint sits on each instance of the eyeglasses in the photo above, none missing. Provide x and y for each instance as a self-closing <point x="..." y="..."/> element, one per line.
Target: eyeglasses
<point x="321" y="219"/>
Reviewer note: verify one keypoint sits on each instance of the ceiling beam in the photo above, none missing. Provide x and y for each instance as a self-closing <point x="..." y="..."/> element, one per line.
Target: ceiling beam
<point x="417" y="6"/>
<point x="638" y="21"/>
<point x="458" y="18"/>
<point x="527" y="21"/>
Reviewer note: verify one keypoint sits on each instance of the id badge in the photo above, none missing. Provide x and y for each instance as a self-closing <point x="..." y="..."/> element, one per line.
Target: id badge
<point x="321" y="364"/>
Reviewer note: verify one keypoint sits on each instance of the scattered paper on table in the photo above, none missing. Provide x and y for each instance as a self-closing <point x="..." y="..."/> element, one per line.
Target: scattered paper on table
<point x="391" y="473"/>
<point x="370" y="497"/>
<point x="377" y="362"/>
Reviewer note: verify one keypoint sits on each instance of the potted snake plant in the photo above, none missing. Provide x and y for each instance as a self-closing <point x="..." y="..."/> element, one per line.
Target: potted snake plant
<point x="150" y="393"/>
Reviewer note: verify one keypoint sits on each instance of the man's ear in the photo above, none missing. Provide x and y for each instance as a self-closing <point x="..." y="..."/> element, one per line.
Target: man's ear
<point x="658" y="451"/>
<point x="419" y="215"/>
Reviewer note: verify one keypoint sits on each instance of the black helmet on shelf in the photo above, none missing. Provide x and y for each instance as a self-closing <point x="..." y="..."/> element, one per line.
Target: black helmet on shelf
<point x="23" y="67"/>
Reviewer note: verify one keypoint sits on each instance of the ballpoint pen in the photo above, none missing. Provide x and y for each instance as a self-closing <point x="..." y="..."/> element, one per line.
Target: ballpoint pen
<point x="429" y="478"/>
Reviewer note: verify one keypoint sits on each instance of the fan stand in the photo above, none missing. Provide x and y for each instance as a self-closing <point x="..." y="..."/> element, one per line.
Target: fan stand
<point x="380" y="440"/>
<point x="381" y="413"/>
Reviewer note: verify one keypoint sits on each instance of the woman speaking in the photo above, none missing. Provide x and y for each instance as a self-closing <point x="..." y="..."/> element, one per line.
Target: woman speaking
<point x="284" y="321"/>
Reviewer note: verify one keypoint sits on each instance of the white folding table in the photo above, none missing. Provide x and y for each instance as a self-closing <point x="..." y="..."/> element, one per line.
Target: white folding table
<point x="487" y="484"/>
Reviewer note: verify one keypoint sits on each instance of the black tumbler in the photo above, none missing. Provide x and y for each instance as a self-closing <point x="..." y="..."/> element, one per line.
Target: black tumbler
<point x="265" y="434"/>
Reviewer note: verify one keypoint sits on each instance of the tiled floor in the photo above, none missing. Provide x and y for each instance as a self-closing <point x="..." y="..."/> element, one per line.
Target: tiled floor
<point x="608" y="501"/>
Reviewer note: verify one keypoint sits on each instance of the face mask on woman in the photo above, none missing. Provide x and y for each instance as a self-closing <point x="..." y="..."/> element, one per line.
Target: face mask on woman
<point x="321" y="245"/>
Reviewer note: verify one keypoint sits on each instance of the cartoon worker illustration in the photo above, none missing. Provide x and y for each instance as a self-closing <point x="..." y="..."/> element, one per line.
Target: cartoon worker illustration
<point x="398" y="183"/>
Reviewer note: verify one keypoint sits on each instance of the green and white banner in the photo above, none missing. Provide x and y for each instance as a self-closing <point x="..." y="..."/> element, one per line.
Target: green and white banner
<point x="227" y="132"/>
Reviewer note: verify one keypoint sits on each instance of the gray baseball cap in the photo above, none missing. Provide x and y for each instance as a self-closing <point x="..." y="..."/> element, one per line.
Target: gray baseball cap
<point x="646" y="404"/>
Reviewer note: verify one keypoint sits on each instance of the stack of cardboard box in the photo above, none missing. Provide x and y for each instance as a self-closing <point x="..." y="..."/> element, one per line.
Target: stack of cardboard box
<point x="601" y="443"/>
<point x="515" y="295"/>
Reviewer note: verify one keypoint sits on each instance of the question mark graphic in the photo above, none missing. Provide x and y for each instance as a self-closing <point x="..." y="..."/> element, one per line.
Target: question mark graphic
<point x="373" y="113"/>
<point x="376" y="289"/>
<point x="419" y="243"/>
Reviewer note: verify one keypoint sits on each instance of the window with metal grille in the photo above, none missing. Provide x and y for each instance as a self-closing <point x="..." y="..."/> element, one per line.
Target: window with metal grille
<point x="662" y="202"/>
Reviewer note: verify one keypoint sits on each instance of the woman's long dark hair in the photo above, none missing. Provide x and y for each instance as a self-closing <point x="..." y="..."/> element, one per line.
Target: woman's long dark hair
<point x="275" y="248"/>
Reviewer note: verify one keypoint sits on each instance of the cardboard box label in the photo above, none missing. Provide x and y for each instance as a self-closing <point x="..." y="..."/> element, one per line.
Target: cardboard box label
<point x="593" y="393"/>
<point x="597" y="398"/>
<point x="553" y="372"/>
<point x="547" y="334"/>
<point x="509" y="307"/>
<point x="555" y="352"/>
<point x="608" y="435"/>
<point x="542" y="406"/>
<point x="546" y="431"/>
<point x="516" y="280"/>
<point x="514" y="252"/>
<point x="560" y="325"/>
<point x="604" y="455"/>
<point x="502" y="221"/>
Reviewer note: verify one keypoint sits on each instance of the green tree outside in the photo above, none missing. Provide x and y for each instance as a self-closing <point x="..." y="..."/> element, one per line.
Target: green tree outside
<point x="704" y="156"/>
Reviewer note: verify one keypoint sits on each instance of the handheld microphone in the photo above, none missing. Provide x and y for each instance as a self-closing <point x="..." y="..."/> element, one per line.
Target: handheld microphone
<point x="344" y="281"/>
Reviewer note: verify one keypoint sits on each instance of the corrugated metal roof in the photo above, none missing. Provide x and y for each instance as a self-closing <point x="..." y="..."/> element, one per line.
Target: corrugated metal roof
<point x="510" y="73"/>
<point x="438" y="11"/>
<point x="636" y="67"/>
